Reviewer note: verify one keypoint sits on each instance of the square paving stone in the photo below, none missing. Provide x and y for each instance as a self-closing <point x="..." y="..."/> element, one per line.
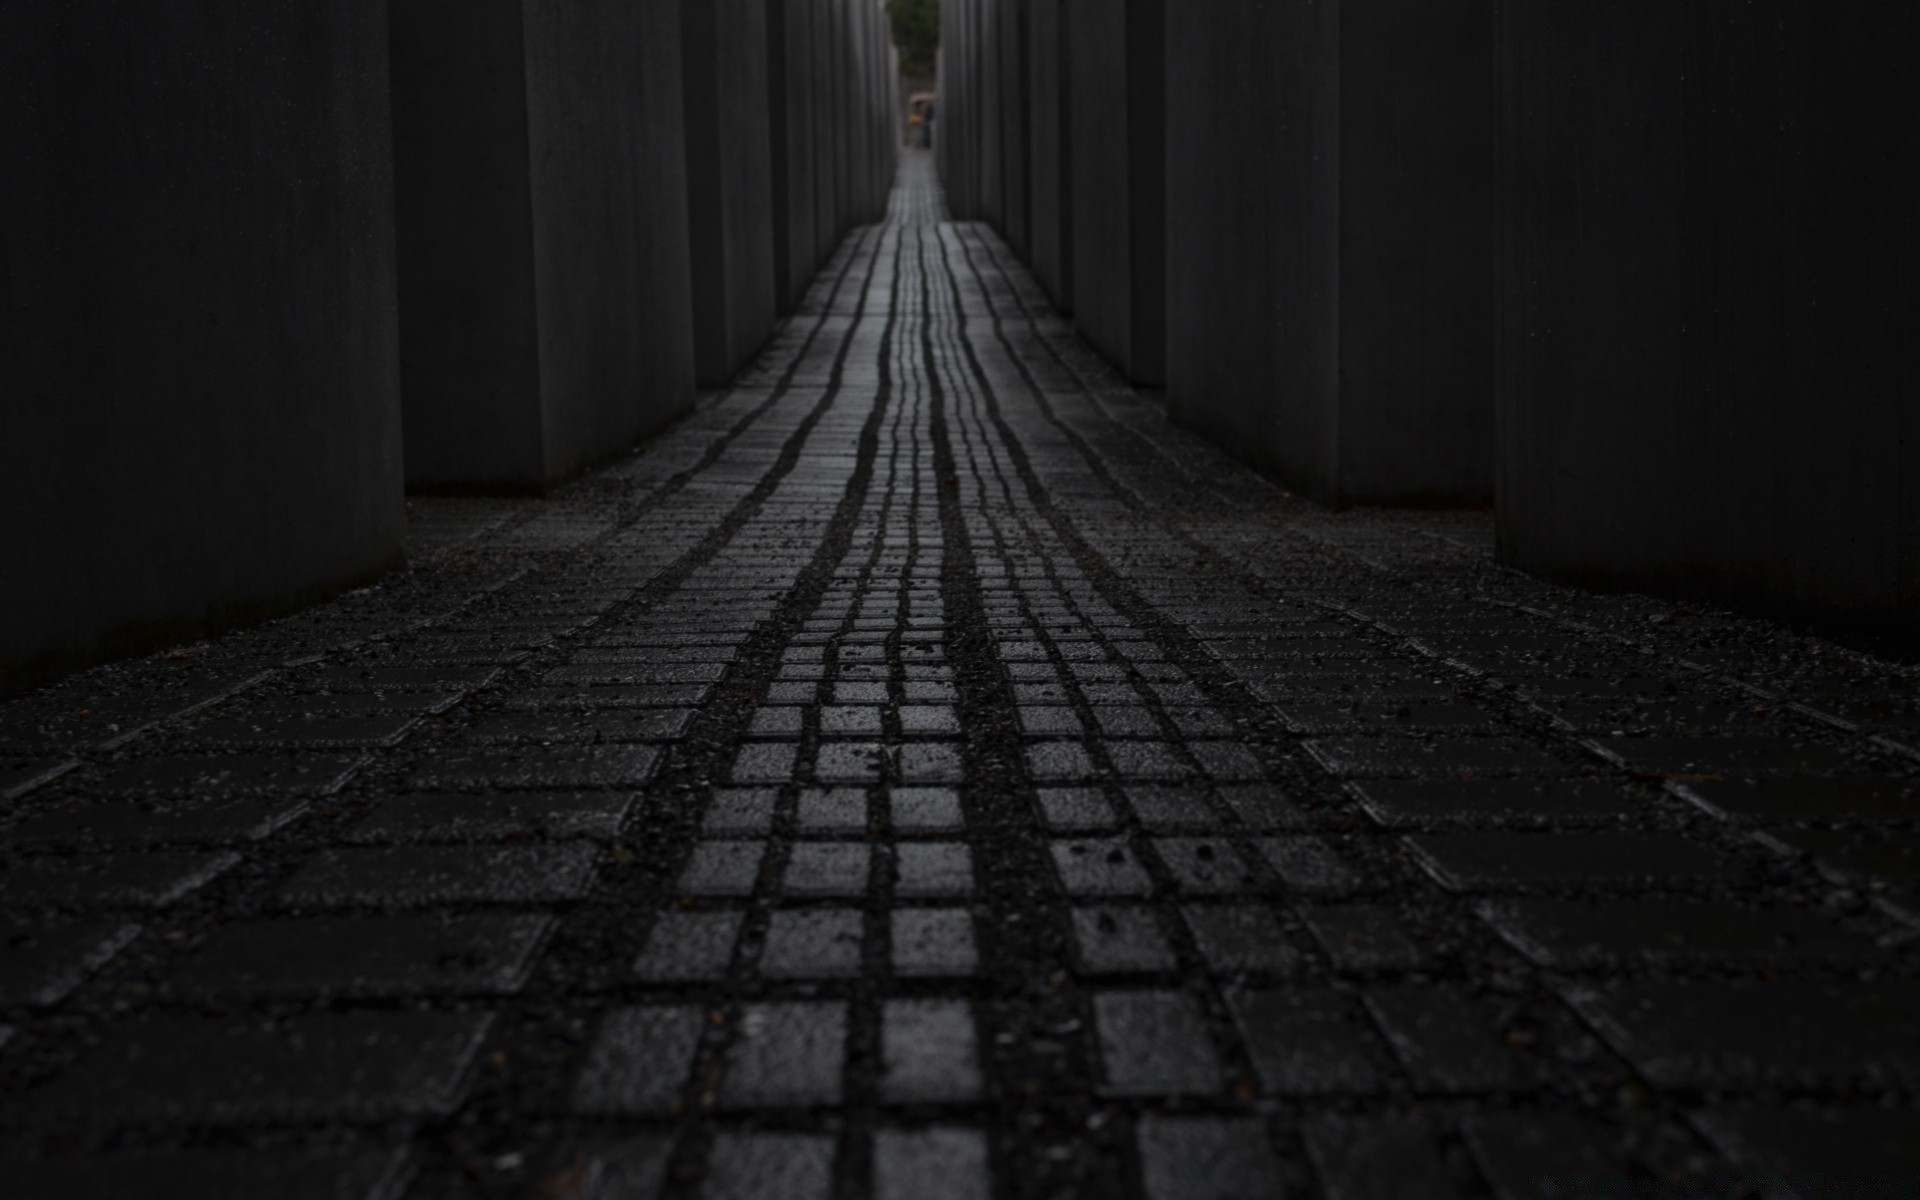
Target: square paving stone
<point x="335" y="1067"/>
<point x="1365" y="938"/>
<point x="933" y="943"/>
<point x="1307" y="1042"/>
<point x="1208" y="867"/>
<point x="689" y="947"/>
<point x="129" y="823"/>
<point x="640" y="1060"/>
<point x="1612" y="933"/>
<point x="1100" y="867"/>
<point x="765" y="762"/>
<point x="1726" y="756"/>
<point x="1373" y="1158"/>
<point x="407" y="875"/>
<point x="1554" y="1154"/>
<point x="921" y="762"/>
<point x="1263" y="807"/>
<point x="1149" y="761"/>
<point x="631" y="674"/>
<point x="1309" y="866"/>
<point x="1072" y="810"/>
<point x="722" y="869"/>
<point x="1060" y="762"/>
<point x="828" y="869"/>
<point x="148" y="879"/>
<point x="1120" y="941"/>
<point x="832" y="810"/>
<point x="929" y="1052"/>
<point x="1419" y="804"/>
<point x="1451" y="1040"/>
<point x="786" y="1055"/>
<point x="1437" y="758"/>
<point x="932" y="869"/>
<point x="232" y="774"/>
<point x="318" y="731"/>
<point x="931" y="1164"/>
<point x="289" y="1173"/>
<point x="839" y="720"/>
<point x="41" y="963"/>
<point x="1236" y="939"/>
<point x="756" y="1165"/>
<point x="929" y="720"/>
<point x="1770" y="801"/>
<point x="1786" y="1033"/>
<point x="925" y="810"/>
<point x="1472" y="861"/>
<point x="813" y="944"/>
<point x="741" y="810"/>
<point x="1830" y="1151"/>
<point x="540" y="767"/>
<point x="1155" y="1044"/>
<point x="1165" y="809"/>
<point x="1215" y="1158"/>
<point x="363" y="956"/>
<point x="850" y="762"/>
<point x="461" y="817"/>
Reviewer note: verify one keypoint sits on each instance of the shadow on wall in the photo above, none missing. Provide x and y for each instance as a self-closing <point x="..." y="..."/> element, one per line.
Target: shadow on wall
<point x="1638" y="273"/>
<point x="237" y="248"/>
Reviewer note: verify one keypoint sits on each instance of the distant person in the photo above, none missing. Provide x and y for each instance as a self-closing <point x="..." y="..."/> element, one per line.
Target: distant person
<point x="926" y="130"/>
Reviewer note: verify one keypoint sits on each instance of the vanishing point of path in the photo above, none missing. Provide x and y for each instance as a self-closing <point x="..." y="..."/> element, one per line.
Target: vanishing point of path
<point x="923" y="774"/>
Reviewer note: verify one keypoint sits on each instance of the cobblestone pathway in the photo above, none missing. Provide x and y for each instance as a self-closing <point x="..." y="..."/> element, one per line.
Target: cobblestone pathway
<point x="925" y="774"/>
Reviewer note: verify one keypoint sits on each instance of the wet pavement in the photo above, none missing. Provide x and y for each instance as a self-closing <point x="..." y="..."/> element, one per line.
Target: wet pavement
<point x="925" y="773"/>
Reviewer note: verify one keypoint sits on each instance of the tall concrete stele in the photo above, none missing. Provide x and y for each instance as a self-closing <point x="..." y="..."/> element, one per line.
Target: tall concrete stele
<point x="268" y="266"/>
<point x="1639" y="273"/>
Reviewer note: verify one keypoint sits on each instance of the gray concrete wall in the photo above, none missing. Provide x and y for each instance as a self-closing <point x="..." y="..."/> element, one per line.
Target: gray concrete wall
<point x="1706" y="299"/>
<point x="1015" y="127"/>
<point x="1118" y="125"/>
<point x="1050" y="190"/>
<point x="542" y="234"/>
<point x="1329" y="243"/>
<point x="792" y="85"/>
<point x="729" y="183"/>
<point x="201" y="376"/>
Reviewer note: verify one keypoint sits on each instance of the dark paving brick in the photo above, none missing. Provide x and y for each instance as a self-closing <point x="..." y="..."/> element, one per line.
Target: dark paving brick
<point x="786" y="1055"/>
<point x="114" y="823"/>
<point x="41" y="963"/>
<point x="1721" y="1035"/>
<point x="1472" y="861"/>
<point x="232" y="774"/>
<point x="1553" y="1154"/>
<point x="1220" y="1158"/>
<point x="1450" y="1040"/>
<point x="146" y="879"/>
<point x="1379" y="1158"/>
<point x="1307" y="1042"/>
<point x="1415" y="804"/>
<point x="770" y="1166"/>
<point x="542" y="767"/>
<point x="639" y="1061"/>
<point x="362" y="956"/>
<point x="931" y="1164"/>
<point x="443" y="875"/>
<point x="462" y="817"/>
<point x="1155" y="1044"/>
<point x="1616" y="933"/>
<point x="358" y="1067"/>
<point x="1767" y="801"/>
<point x="294" y="1173"/>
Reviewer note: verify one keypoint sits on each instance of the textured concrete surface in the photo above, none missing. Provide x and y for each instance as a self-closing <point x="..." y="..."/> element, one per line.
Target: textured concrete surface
<point x="925" y="772"/>
<point x="729" y="183"/>
<point x="1117" y="125"/>
<point x="1329" y="243"/>
<point x="1703" y="378"/>
<point x="1050" y="143"/>
<point x="542" y="209"/>
<point x="198" y="354"/>
<point x="793" y="88"/>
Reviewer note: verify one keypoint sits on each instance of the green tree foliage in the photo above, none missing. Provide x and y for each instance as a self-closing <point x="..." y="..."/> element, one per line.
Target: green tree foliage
<point x="916" y="30"/>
